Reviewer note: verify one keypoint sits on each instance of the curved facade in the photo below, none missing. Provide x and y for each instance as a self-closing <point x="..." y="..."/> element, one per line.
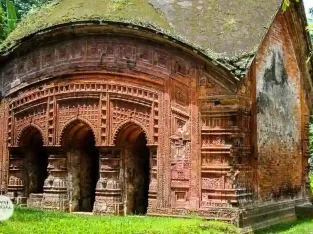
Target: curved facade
<point x="108" y="91"/>
<point x="117" y="119"/>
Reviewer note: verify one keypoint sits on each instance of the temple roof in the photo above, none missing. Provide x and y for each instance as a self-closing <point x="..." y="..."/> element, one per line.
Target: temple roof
<point x="226" y="31"/>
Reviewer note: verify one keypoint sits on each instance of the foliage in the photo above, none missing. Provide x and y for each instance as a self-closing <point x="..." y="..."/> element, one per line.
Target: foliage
<point x="301" y="226"/>
<point x="27" y="6"/>
<point x="11" y="12"/>
<point x="25" y="221"/>
<point x="287" y="3"/>
<point x="3" y="25"/>
<point x="11" y="15"/>
<point x="24" y="7"/>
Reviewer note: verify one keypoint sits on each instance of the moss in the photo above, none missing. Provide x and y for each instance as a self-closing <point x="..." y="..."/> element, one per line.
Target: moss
<point x="224" y="34"/>
<point x="132" y="11"/>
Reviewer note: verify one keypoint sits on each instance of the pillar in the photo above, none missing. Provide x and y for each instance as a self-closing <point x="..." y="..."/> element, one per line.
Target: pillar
<point x="152" y="195"/>
<point x="108" y="191"/>
<point x="55" y="187"/>
<point x="16" y="186"/>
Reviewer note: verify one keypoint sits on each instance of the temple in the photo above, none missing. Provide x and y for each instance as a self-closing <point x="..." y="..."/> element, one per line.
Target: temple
<point x="169" y="108"/>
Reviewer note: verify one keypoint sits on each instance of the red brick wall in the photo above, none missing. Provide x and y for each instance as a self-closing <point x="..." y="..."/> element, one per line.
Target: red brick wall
<point x="278" y="105"/>
<point x="3" y="147"/>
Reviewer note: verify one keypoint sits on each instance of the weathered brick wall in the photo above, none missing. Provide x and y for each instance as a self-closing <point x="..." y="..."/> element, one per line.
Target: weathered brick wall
<point x="278" y="105"/>
<point x="3" y="148"/>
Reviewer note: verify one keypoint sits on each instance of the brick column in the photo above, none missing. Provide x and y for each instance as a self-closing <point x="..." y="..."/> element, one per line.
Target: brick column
<point x="153" y="191"/>
<point x="55" y="187"/>
<point x="16" y="186"/>
<point x="108" y="190"/>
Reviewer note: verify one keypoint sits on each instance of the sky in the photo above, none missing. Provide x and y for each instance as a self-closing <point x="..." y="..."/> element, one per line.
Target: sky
<point x="308" y="4"/>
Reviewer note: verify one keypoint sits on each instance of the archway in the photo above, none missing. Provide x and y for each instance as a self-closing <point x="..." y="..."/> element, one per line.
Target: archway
<point x="36" y="160"/>
<point x="83" y="165"/>
<point x="136" y="168"/>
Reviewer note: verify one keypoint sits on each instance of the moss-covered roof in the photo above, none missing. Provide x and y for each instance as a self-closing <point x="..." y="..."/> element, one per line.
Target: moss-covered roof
<point x="226" y="30"/>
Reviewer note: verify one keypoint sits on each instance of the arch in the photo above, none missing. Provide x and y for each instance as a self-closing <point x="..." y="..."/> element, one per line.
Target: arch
<point x="30" y="142"/>
<point x="74" y="125"/>
<point x="79" y="144"/>
<point x="127" y="125"/>
<point x="132" y="141"/>
<point x="28" y="131"/>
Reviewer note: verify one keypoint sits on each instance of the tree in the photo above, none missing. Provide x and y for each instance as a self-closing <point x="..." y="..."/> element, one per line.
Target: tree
<point x="3" y="25"/>
<point x="11" y="15"/>
<point x="25" y="6"/>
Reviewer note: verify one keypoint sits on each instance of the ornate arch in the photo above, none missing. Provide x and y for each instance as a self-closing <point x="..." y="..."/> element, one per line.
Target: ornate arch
<point x="73" y="122"/>
<point x="126" y="123"/>
<point x="28" y="128"/>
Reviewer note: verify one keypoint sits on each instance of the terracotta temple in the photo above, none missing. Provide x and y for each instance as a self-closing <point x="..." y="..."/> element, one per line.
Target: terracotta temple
<point x="158" y="107"/>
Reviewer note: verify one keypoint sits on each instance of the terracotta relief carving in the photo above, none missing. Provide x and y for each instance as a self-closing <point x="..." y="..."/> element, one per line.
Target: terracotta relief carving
<point x="35" y="116"/>
<point x="123" y="111"/>
<point x="139" y="97"/>
<point x="87" y="110"/>
<point x="108" y="188"/>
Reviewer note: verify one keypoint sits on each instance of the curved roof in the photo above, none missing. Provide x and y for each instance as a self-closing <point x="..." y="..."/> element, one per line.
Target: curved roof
<point x="224" y="30"/>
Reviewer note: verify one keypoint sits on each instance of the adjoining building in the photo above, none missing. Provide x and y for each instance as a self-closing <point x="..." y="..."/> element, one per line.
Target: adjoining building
<point x="156" y="107"/>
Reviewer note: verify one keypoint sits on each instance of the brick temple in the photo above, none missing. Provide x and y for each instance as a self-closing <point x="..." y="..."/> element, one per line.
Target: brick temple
<point x="170" y="108"/>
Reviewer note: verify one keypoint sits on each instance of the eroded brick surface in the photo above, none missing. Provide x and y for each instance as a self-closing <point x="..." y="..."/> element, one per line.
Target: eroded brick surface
<point x="279" y="116"/>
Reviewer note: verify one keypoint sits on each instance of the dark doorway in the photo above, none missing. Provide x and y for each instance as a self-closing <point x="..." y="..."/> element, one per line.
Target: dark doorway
<point x="141" y="156"/>
<point x="36" y="161"/>
<point x="89" y="173"/>
<point x="136" y="169"/>
<point x="83" y="165"/>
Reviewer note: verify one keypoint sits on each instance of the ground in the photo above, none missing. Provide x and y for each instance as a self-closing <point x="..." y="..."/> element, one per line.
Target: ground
<point x="301" y="226"/>
<point x="27" y="221"/>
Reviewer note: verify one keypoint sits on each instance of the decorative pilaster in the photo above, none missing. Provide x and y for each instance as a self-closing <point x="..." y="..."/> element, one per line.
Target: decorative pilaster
<point x="108" y="190"/>
<point x="152" y="202"/>
<point x="55" y="187"/>
<point x="226" y="172"/>
<point x="307" y="161"/>
<point x="16" y="186"/>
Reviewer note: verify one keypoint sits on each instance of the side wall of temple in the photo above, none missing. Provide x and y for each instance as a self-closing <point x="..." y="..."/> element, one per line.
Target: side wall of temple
<point x="281" y="117"/>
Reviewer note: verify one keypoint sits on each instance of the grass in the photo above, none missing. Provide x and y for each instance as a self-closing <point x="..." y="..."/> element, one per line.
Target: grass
<point x="301" y="226"/>
<point x="26" y="221"/>
<point x="39" y="221"/>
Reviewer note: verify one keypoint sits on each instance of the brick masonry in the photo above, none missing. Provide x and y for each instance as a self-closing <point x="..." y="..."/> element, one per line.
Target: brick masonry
<point x="215" y="150"/>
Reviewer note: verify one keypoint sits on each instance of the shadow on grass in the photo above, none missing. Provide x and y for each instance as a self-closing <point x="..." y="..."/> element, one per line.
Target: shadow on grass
<point x="285" y="226"/>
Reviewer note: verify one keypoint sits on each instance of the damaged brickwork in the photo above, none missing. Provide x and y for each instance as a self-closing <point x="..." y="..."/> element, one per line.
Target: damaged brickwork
<point x="279" y="116"/>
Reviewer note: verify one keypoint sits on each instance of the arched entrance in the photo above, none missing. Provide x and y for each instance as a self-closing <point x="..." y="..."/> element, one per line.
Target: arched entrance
<point x="136" y="168"/>
<point x="83" y="165"/>
<point x="36" y="160"/>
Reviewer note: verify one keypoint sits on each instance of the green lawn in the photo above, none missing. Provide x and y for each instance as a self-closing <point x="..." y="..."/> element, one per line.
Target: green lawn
<point x="302" y="226"/>
<point x="25" y="221"/>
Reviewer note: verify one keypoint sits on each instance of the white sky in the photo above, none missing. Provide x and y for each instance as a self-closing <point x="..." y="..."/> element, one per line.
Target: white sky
<point x="308" y="4"/>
